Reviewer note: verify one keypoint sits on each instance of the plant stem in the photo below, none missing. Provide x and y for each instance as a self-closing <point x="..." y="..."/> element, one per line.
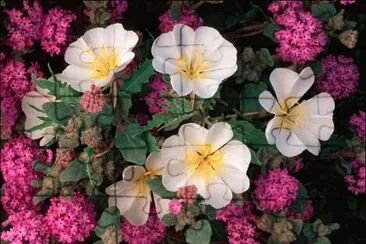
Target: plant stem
<point x="237" y="112"/>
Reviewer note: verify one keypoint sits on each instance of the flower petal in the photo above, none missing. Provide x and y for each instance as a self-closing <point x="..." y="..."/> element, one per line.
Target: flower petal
<point x="173" y="148"/>
<point x="132" y="173"/>
<point x="154" y="162"/>
<point x="181" y="86"/>
<point x="206" y="88"/>
<point x="161" y="205"/>
<point x="121" y="194"/>
<point x="219" y="194"/>
<point x="218" y="135"/>
<point x="236" y="155"/>
<point x="192" y="134"/>
<point x="220" y="73"/>
<point x="287" y="142"/>
<point x="78" y="53"/>
<point x="225" y="56"/>
<point x="319" y="106"/>
<point x="302" y="85"/>
<point x="236" y="180"/>
<point x="268" y="102"/>
<point x="283" y="80"/>
<point x="205" y="35"/>
<point x="310" y="140"/>
<point x="184" y="37"/>
<point x="138" y="213"/>
<point x="118" y="37"/>
<point x="175" y="175"/>
<point x="95" y="38"/>
<point x="273" y="124"/>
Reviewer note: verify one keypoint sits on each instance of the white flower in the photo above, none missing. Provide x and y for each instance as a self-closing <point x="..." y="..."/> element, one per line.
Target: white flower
<point x="32" y="107"/>
<point x="208" y="159"/>
<point x="297" y="126"/>
<point x="196" y="61"/>
<point x="132" y="195"/>
<point x="97" y="55"/>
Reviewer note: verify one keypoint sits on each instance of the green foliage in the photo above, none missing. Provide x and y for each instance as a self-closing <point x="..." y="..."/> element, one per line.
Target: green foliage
<point x="110" y="219"/>
<point x="301" y="199"/>
<point x="105" y="117"/>
<point x="316" y="66"/>
<point x="58" y="112"/>
<point x="133" y="84"/>
<point x="43" y="195"/>
<point x="169" y="219"/>
<point x="125" y="103"/>
<point x="323" y="11"/>
<point x="133" y="148"/>
<point x="249" y="97"/>
<point x="163" y="120"/>
<point x="41" y="167"/>
<point x="254" y="158"/>
<point x="74" y="172"/>
<point x="270" y="30"/>
<point x="199" y="233"/>
<point x="151" y="144"/>
<point x="157" y="186"/>
<point x="297" y="225"/>
<point x="246" y="132"/>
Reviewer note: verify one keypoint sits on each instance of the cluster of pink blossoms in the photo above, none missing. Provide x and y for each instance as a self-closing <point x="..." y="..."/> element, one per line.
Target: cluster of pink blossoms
<point x="357" y="180"/>
<point x="154" y="99"/>
<point x="345" y="2"/>
<point x="93" y="100"/>
<point x="150" y="233"/>
<point x="187" y="16"/>
<point x="175" y="206"/>
<point x="359" y="122"/>
<point x="339" y="76"/>
<point x="305" y="215"/>
<point x="15" y="83"/>
<point x="301" y="37"/>
<point x="32" y="24"/>
<point x="117" y="9"/>
<point x="276" y="190"/>
<point x="240" y="223"/>
<point x="71" y="220"/>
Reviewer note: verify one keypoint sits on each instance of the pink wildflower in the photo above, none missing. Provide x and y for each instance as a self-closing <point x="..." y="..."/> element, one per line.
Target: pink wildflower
<point x="150" y="233"/>
<point x="63" y="158"/>
<point x="298" y="165"/>
<point x="345" y="2"/>
<point x="71" y="220"/>
<point x="305" y="215"/>
<point x="276" y="190"/>
<point x="357" y="179"/>
<point x="188" y="193"/>
<point x="93" y="101"/>
<point x="187" y="17"/>
<point x="154" y="99"/>
<point x="175" y="206"/>
<point x="359" y="122"/>
<point x="117" y="9"/>
<point x="339" y="76"/>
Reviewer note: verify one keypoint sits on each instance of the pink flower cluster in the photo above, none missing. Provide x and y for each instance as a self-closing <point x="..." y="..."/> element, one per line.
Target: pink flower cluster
<point x="175" y="206"/>
<point x="301" y="37"/>
<point x="71" y="220"/>
<point x="151" y="232"/>
<point x="305" y="215"/>
<point x="187" y="16"/>
<point x="117" y="9"/>
<point x="17" y="157"/>
<point x="345" y="2"/>
<point x="93" y="101"/>
<point x="63" y="158"/>
<point x="339" y="76"/>
<point x="276" y="190"/>
<point x="359" y="122"/>
<point x="240" y="223"/>
<point x="154" y="99"/>
<point x="15" y="83"/>
<point x="188" y="194"/>
<point x="32" y="24"/>
<point x="357" y="180"/>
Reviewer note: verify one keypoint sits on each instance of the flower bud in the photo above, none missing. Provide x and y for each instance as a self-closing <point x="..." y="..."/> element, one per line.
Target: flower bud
<point x="349" y="38"/>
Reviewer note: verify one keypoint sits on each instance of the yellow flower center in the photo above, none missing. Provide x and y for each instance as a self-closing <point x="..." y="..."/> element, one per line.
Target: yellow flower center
<point x="205" y="163"/>
<point x="105" y="60"/>
<point x="192" y="65"/>
<point x="291" y="115"/>
<point x="141" y="186"/>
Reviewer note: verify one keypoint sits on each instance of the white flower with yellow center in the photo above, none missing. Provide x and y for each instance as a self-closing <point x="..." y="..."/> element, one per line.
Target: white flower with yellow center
<point x="297" y="126"/>
<point x="196" y="61"/>
<point x="97" y="55"/>
<point x="208" y="159"/>
<point x="132" y="195"/>
<point x="32" y="107"/>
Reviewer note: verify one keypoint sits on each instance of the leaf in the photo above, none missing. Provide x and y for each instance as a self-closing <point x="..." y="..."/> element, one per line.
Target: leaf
<point x="57" y="111"/>
<point x="333" y="227"/>
<point x="179" y="105"/>
<point x="301" y="200"/>
<point x="74" y="172"/>
<point x="249" y="97"/>
<point x="265" y="57"/>
<point x="133" y="148"/>
<point x="254" y="158"/>
<point x="323" y="11"/>
<point x="133" y="83"/>
<point x="297" y="225"/>
<point x="199" y="233"/>
<point x="209" y="211"/>
<point x="125" y="104"/>
<point x="43" y="195"/>
<point x="151" y="143"/>
<point x="308" y="231"/>
<point x="316" y="66"/>
<point x="105" y="117"/>
<point x="41" y="167"/>
<point x="245" y="132"/>
<point x="157" y="187"/>
<point x="270" y="30"/>
<point x="323" y="240"/>
<point x="110" y="218"/>
<point x="162" y="120"/>
<point x="348" y="25"/>
<point x="169" y="219"/>
<point x="36" y="183"/>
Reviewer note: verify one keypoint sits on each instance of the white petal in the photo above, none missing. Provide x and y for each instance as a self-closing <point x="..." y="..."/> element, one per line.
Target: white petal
<point x="165" y="65"/>
<point x="236" y="155"/>
<point x="288" y="143"/>
<point x="236" y="180"/>
<point x="184" y="37"/>
<point x="161" y="205"/>
<point x="125" y="59"/>
<point x="208" y="37"/>
<point x="34" y="99"/>
<point x="320" y="105"/>
<point x="132" y="173"/>
<point x="165" y="46"/>
<point x="225" y="56"/>
<point x="118" y="37"/>
<point x="173" y="148"/>
<point x="138" y="213"/>
<point x="323" y="128"/>
<point x="154" y="162"/>
<point x="121" y="194"/>
<point x="206" y="88"/>
<point x="273" y="125"/>
<point x="268" y="102"/>
<point x="95" y="38"/>
<point x="283" y="80"/>
<point x="192" y="134"/>
<point x="310" y="140"/>
<point x="175" y="175"/>
<point x="46" y="139"/>
<point x="302" y="85"/>
<point x="219" y="73"/>
<point x="219" y="194"/>
<point x="218" y="135"/>
<point x="78" y="53"/>
<point x="181" y="86"/>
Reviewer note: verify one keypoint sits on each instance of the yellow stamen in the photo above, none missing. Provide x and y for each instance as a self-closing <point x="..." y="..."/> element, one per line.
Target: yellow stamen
<point x="192" y="65"/>
<point x="105" y="60"/>
<point x="292" y="116"/>
<point x="142" y="189"/>
<point x="205" y="163"/>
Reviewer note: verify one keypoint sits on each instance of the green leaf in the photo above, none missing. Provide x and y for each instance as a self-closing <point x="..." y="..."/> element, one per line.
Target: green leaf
<point x="74" y="172"/>
<point x="333" y="227"/>
<point x="209" y="211"/>
<point x="133" y="148"/>
<point x="323" y="11"/>
<point x="297" y="225"/>
<point x="323" y="240"/>
<point x="59" y="112"/>
<point x="175" y="13"/>
<point x="125" y="102"/>
<point x="162" y="120"/>
<point x="194" y="209"/>
<point x="133" y="83"/>
<point x="266" y="57"/>
<point x="169" y="219"/>
<point x="41" y="167"/>
<point x="308" y="231"/>
<point x="43" y="195"/>
<point x="301" y="200"/>
<point x="245" y="132"/>
<point x="152" y="145"/>
<point x="179" y="105"/>
<point x="157" y="187"/>
<point x="37" y="183"/>
<point x="249" y="97"/>
<point x="110" y="218"/>
<point x="199" y="233"/>
<point x="254" y="158"/>
<point x="316" y="66"/>
<point x="348" y="25"/>
<point x="270" y="30"/>
<point x="105" y="117"/>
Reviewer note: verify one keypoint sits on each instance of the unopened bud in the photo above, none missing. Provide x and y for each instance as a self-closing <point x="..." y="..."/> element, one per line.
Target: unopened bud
<point x="349" y="38"/>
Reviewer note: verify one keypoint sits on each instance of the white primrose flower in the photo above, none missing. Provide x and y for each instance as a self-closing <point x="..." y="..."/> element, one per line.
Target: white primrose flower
<point x="196" y="60"/>
<point x="132" y="195"/>
<point x="97" y="55"/>
<point x="208" y="159"/>
<point x="32" y="107"/>
<point x="297" y="126"/>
